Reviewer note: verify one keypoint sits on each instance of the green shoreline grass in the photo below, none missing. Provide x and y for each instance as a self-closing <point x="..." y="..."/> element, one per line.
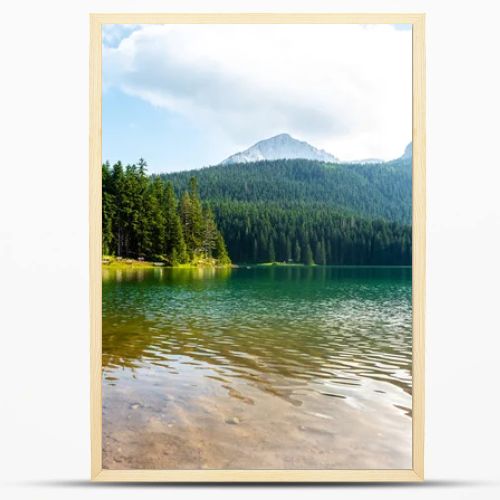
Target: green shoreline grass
<point x="110" y="262"/>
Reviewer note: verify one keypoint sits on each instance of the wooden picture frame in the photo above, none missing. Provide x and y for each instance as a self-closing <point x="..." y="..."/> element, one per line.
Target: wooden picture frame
<point x="416" y="473"/>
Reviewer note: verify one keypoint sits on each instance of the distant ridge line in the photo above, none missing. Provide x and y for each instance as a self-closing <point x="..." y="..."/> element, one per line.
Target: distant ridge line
<point x="285" y="147"/>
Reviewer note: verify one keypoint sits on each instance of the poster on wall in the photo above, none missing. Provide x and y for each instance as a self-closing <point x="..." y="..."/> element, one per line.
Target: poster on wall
<point x="257" y="218"/>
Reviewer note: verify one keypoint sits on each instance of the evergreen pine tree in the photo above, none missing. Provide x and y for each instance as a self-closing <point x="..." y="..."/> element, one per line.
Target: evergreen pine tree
<point x="196" y="236"/>
<point x="271" y="251"/>
<point x="175" y="245"/>
<point x="308" y="255"/>
<point x="220" y="250"/>
<point x="108" y="210"/>
<point x="209" y="232"/>
<point x="298" y="252"/>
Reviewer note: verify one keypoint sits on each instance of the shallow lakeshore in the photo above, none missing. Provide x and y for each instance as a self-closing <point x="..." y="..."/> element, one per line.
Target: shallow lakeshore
<point x="257" y="368"/>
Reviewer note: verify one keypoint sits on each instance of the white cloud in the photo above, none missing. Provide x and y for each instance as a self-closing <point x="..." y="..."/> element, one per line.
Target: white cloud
<point x="344" y="88"/>
<point x="113" y="34"/>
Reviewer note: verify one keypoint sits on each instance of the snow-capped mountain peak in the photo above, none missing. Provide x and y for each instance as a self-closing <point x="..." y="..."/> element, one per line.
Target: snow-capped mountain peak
<point x="282" y="146"/>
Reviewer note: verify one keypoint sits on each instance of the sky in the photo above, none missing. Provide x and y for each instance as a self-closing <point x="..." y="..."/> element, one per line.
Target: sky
<point x="187" y="96"/>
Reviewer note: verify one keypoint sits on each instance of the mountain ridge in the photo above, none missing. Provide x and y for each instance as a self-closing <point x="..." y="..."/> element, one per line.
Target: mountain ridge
<point x="280" y="147"/>
<point x="285" y="147"/>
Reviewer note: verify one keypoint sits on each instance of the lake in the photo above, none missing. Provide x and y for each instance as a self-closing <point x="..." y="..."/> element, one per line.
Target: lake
<point x="257" y="368"/>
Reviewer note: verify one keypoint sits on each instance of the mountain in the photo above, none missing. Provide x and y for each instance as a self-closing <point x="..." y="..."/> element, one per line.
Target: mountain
<point x="408" y="154"/>
<point x="381" y="191"/>
<point x="282" y="146"/>
<point x="309" y="211"/>
<point x="286" y="147"/>
<point x="305" y="210"/>
<point x="271" y="204"/>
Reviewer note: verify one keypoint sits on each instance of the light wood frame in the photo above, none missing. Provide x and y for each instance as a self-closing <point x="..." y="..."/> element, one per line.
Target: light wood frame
<point x="416" y="473"/>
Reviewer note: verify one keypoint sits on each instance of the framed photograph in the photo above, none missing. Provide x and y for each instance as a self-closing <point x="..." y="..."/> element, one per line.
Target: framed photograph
<point x="257" y="247"/>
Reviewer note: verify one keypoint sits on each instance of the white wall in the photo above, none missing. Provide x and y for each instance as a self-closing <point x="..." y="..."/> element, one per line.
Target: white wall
<point x="44" y="411"/>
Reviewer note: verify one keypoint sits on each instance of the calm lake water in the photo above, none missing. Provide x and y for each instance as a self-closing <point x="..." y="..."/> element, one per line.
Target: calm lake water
<point x="257" y="368"/>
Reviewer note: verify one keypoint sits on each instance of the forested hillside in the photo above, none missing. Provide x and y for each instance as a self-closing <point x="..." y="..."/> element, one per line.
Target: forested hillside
<point x="375" y="190"/>
<point x="309" y="234"/>
<point x="293" y="211"/>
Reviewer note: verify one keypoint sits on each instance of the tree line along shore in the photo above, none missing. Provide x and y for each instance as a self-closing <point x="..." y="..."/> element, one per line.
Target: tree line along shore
<point x="163" y="219"/>
<point x="142" y="219"/>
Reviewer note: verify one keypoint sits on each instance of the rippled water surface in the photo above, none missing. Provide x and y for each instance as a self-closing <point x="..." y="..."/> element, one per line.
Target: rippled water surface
<point x="257" y="368"/>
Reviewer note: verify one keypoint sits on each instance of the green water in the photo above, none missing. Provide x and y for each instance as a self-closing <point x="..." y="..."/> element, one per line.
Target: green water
<point x="322" y="348"/>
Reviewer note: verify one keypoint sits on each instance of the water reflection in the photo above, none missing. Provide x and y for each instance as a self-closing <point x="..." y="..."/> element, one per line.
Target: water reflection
<point x="283" y="331"/>
<point x="167" y="274"/>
